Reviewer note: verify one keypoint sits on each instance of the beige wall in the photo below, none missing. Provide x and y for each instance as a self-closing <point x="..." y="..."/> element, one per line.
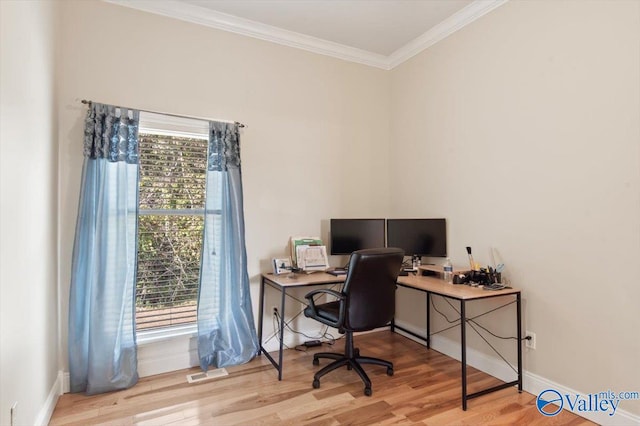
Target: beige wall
<point x="29" y="157"/>
<point x="317" y="127"/>
<point x="523" y="130"/>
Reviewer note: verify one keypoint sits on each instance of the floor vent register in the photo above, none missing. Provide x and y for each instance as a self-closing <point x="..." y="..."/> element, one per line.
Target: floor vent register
<point x="211" y="374"/>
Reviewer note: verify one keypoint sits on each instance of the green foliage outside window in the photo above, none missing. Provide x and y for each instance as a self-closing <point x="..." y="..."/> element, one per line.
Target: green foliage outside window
<point x="170" y="226"/>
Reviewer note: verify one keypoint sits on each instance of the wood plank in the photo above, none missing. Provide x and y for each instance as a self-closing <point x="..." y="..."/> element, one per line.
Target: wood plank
<point x="425" y="389"/>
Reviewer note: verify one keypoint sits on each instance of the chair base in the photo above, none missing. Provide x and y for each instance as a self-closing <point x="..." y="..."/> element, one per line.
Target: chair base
<point x="352" y="360"/>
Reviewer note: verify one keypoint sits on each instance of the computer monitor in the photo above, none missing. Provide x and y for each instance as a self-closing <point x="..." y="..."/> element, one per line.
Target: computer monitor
<point x="418" y="237"/>
<point x="349" y="235"/>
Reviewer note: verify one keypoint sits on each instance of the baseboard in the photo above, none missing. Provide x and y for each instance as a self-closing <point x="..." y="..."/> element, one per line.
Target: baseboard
<point x="177" y="355"/>
<point x="156" y="358"/>
<point x="272" y="343"/>
<point x="531" y="383"/>
<point x="476" y="359"/>
<point x="44" y="416"/>
<point x="490" y="365"/>
<point x="66" y="382"/>
<point x="535" y="384"/>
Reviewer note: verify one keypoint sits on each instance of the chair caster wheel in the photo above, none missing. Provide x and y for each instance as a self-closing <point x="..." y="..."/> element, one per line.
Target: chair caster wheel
<point x="316" y="383"/>
<point x="356" y="352"/>
<point x="368" y="391"/>
<point x="316" y="361"/>
<point x="389" y="371"/>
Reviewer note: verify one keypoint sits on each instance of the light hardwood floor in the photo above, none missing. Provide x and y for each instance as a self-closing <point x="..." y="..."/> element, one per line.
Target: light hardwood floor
<point x="425" y="389"/>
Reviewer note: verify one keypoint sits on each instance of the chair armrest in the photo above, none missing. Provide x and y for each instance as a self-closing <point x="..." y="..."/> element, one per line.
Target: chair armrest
<point x="341" y="297"/>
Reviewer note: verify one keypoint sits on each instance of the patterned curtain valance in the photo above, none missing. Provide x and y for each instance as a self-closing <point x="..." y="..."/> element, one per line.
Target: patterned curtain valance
<point x="111" y="133"/>
<point x="224" y="146"/>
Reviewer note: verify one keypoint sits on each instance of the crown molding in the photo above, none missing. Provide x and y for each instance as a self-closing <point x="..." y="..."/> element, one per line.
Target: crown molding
<point x="444" y="29"/>
<point x="222" y="21"/>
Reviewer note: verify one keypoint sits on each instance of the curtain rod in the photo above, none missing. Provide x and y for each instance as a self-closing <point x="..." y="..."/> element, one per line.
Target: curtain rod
<point x="86" y="102"/>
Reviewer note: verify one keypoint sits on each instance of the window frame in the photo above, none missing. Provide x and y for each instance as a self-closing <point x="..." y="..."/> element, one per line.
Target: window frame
<point x="173" y="126"/>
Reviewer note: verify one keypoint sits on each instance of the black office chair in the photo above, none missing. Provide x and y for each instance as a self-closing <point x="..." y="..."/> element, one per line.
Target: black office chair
<point x="367" y="301"/>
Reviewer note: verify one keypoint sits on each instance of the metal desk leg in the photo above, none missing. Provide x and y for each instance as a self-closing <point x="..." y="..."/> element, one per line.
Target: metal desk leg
<point x="260" y="313"/>
<point x="428" y="320"/>
<point x="282" y="320"/>
<point x="519" y="326"/>
<point x="463" y="343"/>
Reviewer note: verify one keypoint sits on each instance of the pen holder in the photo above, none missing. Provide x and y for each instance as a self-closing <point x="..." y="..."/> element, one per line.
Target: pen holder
<point x="478" y="277"/>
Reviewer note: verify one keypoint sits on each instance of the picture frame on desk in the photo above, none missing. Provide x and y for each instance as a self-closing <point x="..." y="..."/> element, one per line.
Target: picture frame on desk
<point x="281" y="266"/>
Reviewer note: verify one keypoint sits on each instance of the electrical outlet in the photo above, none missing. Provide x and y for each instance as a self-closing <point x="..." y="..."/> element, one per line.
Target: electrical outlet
<point x="14" y="414"/>
<point x="274" y="310"/>
<point x="531" y="341"/>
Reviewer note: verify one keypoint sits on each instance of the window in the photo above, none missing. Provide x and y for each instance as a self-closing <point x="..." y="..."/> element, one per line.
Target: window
<point x="173" y="161"/>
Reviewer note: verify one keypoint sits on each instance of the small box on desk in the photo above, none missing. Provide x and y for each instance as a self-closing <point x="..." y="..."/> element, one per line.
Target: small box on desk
<point x="439" y="270"/>
<point x="337" y="272"/>
<point x="460" y="275"/>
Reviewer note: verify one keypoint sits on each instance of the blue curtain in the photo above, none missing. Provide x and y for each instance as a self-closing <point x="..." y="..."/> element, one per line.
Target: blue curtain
<point x="102" y="342"/>
<point x="226" y="329"/>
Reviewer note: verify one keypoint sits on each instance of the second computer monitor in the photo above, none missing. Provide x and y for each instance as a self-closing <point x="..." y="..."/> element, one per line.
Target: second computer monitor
<point x="349" y="235"/>
<point x="418" y="237"/>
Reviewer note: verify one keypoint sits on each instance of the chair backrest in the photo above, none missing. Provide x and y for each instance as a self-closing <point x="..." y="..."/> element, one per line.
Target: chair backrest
<point x="370" y="287"/>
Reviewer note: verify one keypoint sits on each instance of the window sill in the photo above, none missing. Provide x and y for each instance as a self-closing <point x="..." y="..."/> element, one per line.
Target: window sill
<point x="168" y="333"/>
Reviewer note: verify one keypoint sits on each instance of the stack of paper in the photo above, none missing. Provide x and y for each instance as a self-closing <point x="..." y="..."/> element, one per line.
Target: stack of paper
<point x="308" y="253"/>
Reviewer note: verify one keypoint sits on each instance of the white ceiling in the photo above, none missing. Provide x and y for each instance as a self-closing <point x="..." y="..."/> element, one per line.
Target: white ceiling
<point x="381" y="33"/>
<point x="377" y="26"/>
